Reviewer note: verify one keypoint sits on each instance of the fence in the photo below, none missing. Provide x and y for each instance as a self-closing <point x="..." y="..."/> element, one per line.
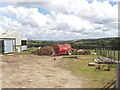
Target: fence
<point x="111" y="84"/>
<point x="114" y="54"/>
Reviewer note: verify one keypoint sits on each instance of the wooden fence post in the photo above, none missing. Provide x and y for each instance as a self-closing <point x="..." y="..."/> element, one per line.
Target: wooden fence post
<point x="114" y="52"/>
<point x="100" y="50"/>
<point x="96" y="51"/>
<point x="108" y="52"/>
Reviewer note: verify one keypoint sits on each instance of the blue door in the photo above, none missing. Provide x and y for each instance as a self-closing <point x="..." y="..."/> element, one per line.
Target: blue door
<point x="8" y="46"/>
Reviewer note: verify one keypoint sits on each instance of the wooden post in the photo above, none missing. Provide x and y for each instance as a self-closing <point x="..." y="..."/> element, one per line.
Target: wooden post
<point x="100" y="51"/>
<point x="96" y="50"/>
<point x="107" y="52"/>
<point x="110" y="53"/>
<point x="114" y="53"/>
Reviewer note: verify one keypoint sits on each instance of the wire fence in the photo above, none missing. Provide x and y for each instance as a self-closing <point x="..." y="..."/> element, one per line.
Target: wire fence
<point x="111" y="84"/>
<point x="114" y="54"/>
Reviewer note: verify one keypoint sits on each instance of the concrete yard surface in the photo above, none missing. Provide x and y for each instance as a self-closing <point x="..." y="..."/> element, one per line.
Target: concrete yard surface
<point x="32" y="71"/>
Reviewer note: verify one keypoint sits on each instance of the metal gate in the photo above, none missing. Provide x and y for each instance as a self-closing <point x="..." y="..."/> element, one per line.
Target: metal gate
<point x="8" y="46"/>
<point x="24" y="48"/>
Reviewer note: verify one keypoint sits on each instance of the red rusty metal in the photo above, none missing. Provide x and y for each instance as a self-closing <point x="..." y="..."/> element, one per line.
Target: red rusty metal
<point x="61" y="49"/>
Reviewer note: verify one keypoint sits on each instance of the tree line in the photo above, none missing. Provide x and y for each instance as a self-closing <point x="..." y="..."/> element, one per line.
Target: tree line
<point x="34" y="43"/>
<point x="110" y="43"/>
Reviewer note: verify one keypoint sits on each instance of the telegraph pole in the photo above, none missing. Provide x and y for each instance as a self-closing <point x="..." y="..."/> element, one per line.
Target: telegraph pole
<point x="118" y="64"/>
<point x="118" y="75"/>
<point x="118" y="71"/>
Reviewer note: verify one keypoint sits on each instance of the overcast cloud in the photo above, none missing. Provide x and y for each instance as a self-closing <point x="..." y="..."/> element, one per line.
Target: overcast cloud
<point x="61" y="19"/>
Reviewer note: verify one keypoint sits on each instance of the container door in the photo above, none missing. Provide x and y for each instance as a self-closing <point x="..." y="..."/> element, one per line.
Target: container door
<point x="8" y="46"/>
<point x="1" y="46"/>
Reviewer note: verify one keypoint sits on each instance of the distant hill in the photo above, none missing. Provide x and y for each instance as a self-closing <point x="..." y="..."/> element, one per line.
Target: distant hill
<point x="86" y="40"/>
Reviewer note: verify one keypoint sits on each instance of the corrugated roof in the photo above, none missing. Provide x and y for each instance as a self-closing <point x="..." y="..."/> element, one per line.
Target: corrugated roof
<point x="11" y="34"/>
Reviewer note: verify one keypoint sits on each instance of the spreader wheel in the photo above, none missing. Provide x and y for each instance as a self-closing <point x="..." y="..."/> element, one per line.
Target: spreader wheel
<point x="69" y="52"/>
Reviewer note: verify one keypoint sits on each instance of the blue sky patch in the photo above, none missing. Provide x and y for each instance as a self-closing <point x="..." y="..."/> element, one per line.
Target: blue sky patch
<point x="43" y="11"/>
<point x="113" y="3"/>
<point x="100" y="0"/>
<point x="90" y="1"/>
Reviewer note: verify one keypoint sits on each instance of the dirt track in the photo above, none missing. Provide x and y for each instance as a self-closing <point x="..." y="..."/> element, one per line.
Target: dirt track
<point x="31" y="71"/>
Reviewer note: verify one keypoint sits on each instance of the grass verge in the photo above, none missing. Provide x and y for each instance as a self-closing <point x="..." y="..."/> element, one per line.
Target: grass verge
<point x="92" y="78"/>
<point x="27" y="51"/>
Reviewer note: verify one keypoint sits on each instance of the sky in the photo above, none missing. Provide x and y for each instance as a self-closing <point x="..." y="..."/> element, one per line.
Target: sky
<point x="61" y="19"/>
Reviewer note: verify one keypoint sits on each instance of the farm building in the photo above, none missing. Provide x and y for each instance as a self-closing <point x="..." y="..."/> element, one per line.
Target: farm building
<point x="12" y="41"/>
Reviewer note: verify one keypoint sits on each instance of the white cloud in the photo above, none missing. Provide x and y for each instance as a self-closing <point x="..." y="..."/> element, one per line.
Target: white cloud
<point x="24" y="0"/>
<point x="1" y="30"/>
<point x="67" y="20"/>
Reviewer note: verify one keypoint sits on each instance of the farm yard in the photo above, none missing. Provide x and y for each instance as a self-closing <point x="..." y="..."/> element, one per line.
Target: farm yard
<point x="33" y="71"/>
<point x="66" y="64"/>
<point x="46" y="44"/>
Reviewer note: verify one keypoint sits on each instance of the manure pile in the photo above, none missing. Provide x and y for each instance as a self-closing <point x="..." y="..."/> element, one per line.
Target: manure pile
<point x="47" y="50"/>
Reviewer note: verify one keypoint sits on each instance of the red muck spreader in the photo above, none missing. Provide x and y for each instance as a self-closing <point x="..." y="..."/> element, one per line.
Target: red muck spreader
<point x="62" y="49"/>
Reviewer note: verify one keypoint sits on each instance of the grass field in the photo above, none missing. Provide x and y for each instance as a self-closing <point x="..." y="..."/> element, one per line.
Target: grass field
<point x="93" y="78"/>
